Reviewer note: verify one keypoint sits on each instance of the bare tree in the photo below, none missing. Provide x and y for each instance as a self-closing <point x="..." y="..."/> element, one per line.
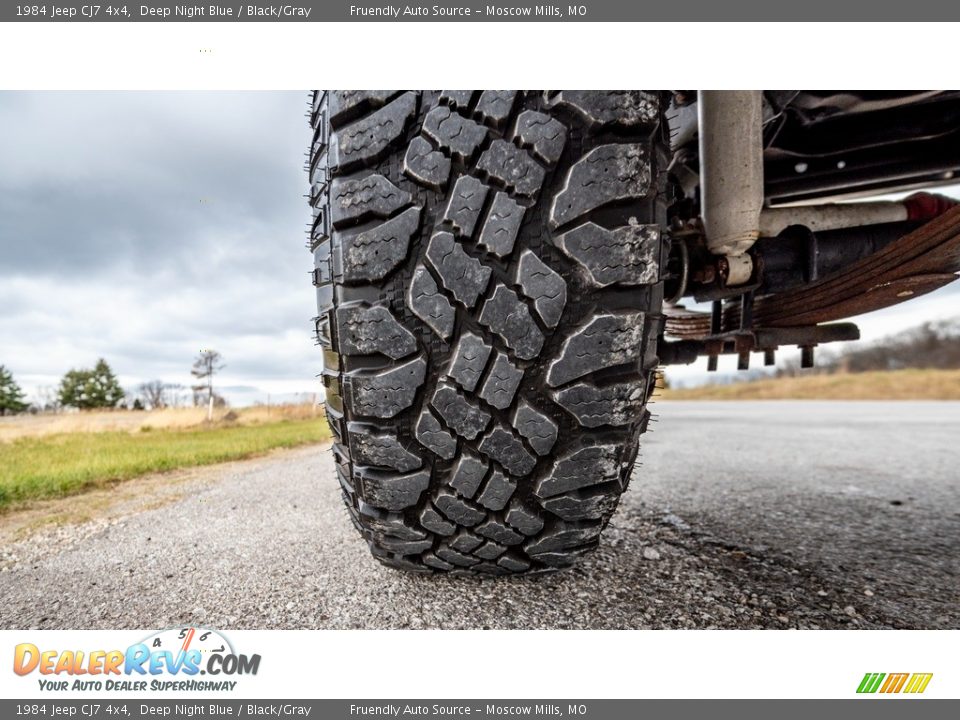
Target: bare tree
<point x="47" y="398"/>
<point x="177" y="395"/>
<point x="156" y="393"/>
<point x="207" y="364"/>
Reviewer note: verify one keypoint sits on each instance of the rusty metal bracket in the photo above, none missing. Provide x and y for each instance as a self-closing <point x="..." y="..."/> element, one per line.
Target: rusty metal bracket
<point x="763" y="340"/>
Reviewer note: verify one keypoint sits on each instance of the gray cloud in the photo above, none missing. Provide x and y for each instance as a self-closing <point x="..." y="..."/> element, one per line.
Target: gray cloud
<point x="144" y="226"/>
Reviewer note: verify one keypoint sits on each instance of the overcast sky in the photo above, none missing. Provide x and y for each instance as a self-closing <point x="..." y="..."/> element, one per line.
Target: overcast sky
<point x="141" y="227"/>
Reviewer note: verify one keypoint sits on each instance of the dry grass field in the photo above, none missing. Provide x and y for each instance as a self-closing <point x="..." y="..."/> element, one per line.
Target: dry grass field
<point x="20" y="426"/>
<point x="48" y="456"/>
<point x="913" y="384"/>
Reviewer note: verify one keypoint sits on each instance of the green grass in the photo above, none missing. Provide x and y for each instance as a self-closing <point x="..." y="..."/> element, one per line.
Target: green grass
<point x="33" y="468"/>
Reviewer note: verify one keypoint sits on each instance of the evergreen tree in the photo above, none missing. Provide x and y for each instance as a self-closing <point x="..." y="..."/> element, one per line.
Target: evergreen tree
<point x="87" y="389"/>
<point x="11" y="396"/>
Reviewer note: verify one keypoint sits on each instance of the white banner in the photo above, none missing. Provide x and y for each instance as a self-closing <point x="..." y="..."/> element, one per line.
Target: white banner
<point x="457" y="664"/>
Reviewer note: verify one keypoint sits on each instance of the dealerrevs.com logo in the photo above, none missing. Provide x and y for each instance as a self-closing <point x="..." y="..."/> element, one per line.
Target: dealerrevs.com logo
<point x="888" y="683"/>
<point x="168" y="660"/>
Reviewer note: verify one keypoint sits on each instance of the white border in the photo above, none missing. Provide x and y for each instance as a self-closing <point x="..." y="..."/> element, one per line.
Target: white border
<point x="554" y="664"/>
<point x="290" y="56"/>
<point x="560" y="664"/>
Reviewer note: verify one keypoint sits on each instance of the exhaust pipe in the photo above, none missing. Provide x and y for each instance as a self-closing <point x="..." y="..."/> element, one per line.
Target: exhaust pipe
<point x="835" y="216"/>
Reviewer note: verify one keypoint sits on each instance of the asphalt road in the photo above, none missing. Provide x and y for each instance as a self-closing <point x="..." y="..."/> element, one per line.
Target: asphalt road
<point x="742" y="515"/>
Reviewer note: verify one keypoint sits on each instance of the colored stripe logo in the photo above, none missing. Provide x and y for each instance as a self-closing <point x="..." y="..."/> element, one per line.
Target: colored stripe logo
<point x="913" y="683"/>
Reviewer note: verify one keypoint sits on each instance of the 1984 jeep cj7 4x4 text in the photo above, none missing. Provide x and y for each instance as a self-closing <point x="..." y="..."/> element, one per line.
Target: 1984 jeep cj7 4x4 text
<point x="499" y="275"/>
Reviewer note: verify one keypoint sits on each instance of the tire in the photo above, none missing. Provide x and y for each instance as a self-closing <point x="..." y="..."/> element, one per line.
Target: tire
<point x="487" y="266"/>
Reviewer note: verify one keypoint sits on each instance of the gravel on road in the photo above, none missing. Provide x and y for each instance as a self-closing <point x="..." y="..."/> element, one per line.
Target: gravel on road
<point x="739" y="515"/>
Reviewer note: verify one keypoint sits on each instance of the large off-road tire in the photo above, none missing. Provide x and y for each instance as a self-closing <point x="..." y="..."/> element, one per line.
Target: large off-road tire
<point x="488" y="280"/>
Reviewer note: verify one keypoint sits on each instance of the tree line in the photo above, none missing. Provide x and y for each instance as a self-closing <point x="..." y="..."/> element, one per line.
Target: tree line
<point x="932" y="345"/>
<point x="98" y="388"/>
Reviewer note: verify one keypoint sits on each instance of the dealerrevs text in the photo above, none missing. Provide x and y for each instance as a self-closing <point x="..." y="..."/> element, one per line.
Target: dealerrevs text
<point x="137" y="659"/>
